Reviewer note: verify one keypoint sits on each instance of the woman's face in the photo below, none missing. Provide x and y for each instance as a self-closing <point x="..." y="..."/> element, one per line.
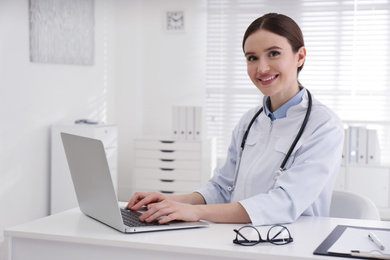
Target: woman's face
<point x="272" y="65"/>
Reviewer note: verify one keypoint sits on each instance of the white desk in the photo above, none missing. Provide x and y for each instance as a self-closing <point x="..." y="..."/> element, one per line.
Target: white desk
<point x="72" y="235"/>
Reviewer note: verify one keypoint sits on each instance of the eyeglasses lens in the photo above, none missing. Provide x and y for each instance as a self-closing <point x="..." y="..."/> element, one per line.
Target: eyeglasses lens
<point x="248" y="235"/>
<point x="279" y="235"/>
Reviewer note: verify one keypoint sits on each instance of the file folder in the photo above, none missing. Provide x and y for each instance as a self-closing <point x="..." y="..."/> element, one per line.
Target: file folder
<point x="373" y="152"/>
<point x="182" y="123"/>
<point x="175" y="122"/>
<point x="353" y="144"/>
<point x="362" y="145"/>
<point x="198" y="123"/>
<point x="190" y="119"/>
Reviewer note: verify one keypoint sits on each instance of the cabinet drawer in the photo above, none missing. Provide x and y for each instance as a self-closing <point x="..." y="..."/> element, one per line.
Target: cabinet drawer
<point x="167" y="174"/>
<point x="170" y="192"/>
<point x="167" y="186"/>
<point x="167" y="164"/>
<point x="168" y="154"/>
<point x="167" y="145"/>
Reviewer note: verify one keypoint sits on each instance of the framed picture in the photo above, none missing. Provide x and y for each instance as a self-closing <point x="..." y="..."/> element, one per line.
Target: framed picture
<point x="62" y="31"/>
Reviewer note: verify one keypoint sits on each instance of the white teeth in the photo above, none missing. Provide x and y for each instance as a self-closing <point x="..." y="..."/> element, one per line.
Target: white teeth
<point x="268" y="78"/>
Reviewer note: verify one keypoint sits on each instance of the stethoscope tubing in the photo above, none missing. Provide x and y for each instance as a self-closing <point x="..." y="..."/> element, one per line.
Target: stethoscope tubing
<point x="308" y="112"/>
<point x="283" y="164"/>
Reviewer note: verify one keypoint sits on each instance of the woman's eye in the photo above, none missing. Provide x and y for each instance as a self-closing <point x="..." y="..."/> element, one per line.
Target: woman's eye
<point x="274" y="53"/>
<point x="251" y="58"/>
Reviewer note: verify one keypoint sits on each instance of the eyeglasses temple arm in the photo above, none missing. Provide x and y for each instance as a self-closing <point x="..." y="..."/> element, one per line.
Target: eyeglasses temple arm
<point x="238" y="233"/>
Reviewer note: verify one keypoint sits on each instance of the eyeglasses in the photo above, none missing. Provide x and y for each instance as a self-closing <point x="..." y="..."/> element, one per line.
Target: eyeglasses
<point x="250" y="236"/>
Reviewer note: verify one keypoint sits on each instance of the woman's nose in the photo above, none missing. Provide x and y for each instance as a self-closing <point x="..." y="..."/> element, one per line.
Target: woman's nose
<point x="262" y="66"/>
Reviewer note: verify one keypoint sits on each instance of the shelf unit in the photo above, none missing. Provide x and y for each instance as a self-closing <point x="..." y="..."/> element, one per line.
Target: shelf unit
<point x="172" y="166"/>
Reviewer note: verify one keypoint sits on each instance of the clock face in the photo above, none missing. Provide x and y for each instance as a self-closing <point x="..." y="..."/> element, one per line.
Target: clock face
<point x="175" y="21"/>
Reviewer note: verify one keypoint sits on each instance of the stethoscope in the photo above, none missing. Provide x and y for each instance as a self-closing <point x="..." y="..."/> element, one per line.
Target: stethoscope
<point x="281" y="168"/>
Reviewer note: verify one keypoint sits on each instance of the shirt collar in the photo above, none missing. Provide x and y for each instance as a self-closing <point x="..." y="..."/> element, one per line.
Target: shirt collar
<point x="282" y="111"/>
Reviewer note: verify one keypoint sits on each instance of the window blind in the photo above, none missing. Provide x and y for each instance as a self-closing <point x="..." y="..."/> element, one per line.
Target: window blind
<point x="347" y="64"/>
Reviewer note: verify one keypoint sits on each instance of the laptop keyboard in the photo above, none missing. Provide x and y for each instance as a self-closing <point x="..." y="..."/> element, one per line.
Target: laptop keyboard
<point x="131" y="219"/>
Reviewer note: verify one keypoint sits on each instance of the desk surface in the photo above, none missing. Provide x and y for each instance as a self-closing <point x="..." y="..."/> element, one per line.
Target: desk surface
<point x="72" y="235"/>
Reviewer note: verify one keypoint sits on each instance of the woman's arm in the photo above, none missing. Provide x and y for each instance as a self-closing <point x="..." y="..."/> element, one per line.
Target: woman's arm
<point x="172" y="210"/>
<point x="224" y="213"/>
<point x="187" y="207"/>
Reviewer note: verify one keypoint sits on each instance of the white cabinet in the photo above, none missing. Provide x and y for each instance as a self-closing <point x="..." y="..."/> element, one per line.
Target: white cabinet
<point x="370" y="181"/>
<point x="173" y="166"/>
<point x="62" y="195"/>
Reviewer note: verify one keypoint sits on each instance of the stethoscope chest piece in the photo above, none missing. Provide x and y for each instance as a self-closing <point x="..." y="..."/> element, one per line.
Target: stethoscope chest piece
<point x="278" y="173"/>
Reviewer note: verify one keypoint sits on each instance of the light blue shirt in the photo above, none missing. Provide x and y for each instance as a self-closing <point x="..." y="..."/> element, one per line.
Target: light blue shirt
<point x="304" y="188"/>
<point x="282" y="111"/>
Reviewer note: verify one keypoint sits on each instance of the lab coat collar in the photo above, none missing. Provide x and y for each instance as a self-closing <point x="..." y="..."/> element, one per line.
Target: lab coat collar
<point x="282" y="111"/>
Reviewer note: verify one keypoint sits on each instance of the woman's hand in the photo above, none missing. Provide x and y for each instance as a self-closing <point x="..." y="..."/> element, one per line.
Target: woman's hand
<point x="160" y="205"/>
<point x="170" y="210"/>
<point x="140" y="199"/>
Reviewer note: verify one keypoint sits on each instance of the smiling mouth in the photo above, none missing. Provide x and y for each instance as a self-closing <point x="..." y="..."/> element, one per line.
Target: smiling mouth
<point x="268" y="79"/>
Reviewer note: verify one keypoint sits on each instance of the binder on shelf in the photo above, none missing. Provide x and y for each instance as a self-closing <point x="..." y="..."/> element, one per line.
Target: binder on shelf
<point x="353" y="144"/>
<point x="362" y="145"/>
<point x="175" y="122"/>
<point x="182" y="123"/>
<point x="373" y="152"/>
<point x="198" y="123"/>
<point x="190" y="121"/>
<point x="187" y="122"/>
<point x="345" y="155"/>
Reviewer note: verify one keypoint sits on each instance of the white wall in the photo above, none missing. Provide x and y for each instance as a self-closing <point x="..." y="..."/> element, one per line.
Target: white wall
<point x="140" y="72"/>
<point x="173" y="64"/>
<point x="128" y="95"/>
<point x="33" y="97"/>
<point x="158" y="70"/>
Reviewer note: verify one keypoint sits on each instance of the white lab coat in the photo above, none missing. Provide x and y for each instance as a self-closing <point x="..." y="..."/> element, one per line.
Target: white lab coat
<point x="304" y="188"/>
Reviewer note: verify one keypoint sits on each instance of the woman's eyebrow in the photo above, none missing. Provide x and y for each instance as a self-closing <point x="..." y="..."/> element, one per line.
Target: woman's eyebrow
<point x="266" y="50"/>
<point x="273" y="48"/>
<point x="249" y="53"/>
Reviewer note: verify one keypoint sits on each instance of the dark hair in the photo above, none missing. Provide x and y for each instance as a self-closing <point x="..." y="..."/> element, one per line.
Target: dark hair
<point x="281" y="25"/>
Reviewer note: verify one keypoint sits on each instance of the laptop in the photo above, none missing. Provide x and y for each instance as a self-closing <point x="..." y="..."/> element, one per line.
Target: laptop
<point x="95" y="190"/>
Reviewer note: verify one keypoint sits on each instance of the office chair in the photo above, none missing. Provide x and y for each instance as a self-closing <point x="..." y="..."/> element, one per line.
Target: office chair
<point x="347" y="204"/>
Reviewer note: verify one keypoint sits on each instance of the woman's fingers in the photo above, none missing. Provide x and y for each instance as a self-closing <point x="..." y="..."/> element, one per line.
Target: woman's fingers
<point x="144" y="198"/>
<point x="137" y="197"/>
<point x="169" y="210"/>
<point x="158" y="206"/>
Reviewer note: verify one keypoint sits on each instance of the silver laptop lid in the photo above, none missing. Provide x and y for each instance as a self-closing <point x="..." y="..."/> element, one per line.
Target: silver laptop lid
<point x="91" y="179"/>
<point x="94" y="188"/>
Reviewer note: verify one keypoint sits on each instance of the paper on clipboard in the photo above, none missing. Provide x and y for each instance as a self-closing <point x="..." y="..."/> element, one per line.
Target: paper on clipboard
<point x="357" y="239"/>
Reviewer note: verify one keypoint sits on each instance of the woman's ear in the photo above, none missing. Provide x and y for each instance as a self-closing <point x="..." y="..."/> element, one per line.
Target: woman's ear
<point x="301" y="56"/>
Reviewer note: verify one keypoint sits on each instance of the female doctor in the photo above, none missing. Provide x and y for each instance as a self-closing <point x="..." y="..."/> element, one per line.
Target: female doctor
<point x="262" y="182"/>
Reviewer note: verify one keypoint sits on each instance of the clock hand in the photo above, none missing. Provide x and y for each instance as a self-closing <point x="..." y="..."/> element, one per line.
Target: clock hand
<point x="180" y="18"/>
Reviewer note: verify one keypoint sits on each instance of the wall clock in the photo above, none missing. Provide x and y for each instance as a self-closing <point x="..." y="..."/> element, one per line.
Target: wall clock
<point x="175" y="21"/>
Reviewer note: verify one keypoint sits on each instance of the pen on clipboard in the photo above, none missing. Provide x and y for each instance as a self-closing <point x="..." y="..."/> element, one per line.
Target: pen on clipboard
<point x="360" y="254"/>
<point x="375" y="239"/>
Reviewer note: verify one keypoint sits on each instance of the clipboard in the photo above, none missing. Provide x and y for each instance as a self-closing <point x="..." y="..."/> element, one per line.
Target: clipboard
<point x="323" y="248"/>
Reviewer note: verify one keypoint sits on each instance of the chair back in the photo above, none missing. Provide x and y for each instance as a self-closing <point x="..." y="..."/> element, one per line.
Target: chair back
<point x="347" y="204"/>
